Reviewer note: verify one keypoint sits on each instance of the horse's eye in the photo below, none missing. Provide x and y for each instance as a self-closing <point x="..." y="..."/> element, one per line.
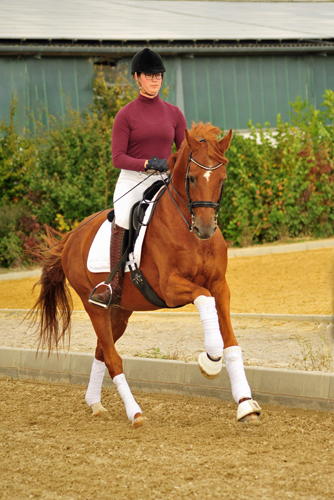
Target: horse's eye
<point x="192" y="179"/>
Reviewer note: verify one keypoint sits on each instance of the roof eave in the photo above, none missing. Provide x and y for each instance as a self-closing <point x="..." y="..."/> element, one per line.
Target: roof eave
<point x="181" y="48"/>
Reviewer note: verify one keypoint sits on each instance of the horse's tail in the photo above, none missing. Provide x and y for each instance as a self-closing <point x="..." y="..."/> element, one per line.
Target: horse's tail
<point x="51" y="314"/>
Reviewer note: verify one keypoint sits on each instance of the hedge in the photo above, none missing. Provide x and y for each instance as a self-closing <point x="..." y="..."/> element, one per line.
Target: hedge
<point x="281" y="183"/>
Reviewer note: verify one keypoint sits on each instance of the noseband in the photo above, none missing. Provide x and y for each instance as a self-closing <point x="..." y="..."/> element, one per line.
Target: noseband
<point x="205" y="204"/>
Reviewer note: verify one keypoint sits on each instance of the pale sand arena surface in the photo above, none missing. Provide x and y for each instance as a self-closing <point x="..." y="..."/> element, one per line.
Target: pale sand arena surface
<point x="294" y="283"/>
<point x="290" y="283"/>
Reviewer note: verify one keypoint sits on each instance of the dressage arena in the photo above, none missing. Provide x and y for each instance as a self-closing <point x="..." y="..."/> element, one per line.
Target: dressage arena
<point x="51" y="447"/>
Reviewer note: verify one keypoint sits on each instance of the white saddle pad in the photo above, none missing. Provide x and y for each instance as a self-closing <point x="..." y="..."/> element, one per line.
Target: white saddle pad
<point x="99" y="254"/>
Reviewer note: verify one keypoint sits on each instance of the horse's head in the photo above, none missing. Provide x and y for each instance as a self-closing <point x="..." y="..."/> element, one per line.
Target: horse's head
<point x="199" y="173"/>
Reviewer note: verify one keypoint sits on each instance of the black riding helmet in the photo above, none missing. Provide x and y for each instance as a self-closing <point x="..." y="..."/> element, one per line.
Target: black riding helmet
<point x="147" y="61"/>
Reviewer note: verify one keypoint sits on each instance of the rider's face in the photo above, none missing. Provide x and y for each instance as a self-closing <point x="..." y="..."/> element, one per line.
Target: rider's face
<point x="148" y="87"/>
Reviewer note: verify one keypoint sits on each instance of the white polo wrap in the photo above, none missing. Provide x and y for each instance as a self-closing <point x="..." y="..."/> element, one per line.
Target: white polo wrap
<point x="235" y="368"/>
<point x="213" y="341"/>
<point x="131" y="406"/>
<point x="93" y="394"/>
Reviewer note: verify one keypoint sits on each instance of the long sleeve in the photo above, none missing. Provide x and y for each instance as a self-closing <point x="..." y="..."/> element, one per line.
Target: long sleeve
<point x="145" y="128"/>
<point x="179" y="131"/>
<point x="120" y="143"/>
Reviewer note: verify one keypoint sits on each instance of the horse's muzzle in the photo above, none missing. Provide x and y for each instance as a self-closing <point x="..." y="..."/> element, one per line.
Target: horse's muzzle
<point x="204" y="231"/>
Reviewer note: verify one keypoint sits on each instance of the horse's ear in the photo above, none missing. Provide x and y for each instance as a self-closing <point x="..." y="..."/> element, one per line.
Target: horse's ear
<point x="191" y="141"/>
<point x="226" y="141"/>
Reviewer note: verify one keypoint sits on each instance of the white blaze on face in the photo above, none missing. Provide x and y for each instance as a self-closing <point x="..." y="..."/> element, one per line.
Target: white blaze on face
<point x="207" y="175"/>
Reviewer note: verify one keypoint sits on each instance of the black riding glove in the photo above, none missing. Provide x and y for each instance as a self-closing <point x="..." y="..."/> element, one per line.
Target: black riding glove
<point x="156" y="164"/>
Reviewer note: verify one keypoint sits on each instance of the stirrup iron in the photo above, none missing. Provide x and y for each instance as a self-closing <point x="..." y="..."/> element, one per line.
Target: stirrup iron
<point x="101" y="304"/>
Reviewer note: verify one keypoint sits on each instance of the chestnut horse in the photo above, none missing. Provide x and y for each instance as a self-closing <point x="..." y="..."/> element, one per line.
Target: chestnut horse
<point x="184" y="259"/>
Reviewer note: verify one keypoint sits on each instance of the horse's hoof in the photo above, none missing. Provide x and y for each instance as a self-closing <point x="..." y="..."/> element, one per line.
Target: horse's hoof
<point x="138" y="421"/>
<point x="209" y="369"/>
<point x="99" y="410"/>
<point x="251" y="419"/>
<point x="249" y="412"/>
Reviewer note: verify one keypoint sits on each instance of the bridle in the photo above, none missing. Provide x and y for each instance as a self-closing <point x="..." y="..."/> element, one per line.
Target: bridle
<point x="195" y="204"/>
<point x="205" y="204"/>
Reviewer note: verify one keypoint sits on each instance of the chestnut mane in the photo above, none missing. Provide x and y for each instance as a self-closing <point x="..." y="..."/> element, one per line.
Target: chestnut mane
<point x="210" y="133"/>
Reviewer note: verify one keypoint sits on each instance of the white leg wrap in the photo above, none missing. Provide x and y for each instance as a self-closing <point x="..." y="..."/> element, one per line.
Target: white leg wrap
<point x="93" y="394"/>
<point x="213" y="341"/>
<point x="236" y="371"/>
<point x="131" y="406"/>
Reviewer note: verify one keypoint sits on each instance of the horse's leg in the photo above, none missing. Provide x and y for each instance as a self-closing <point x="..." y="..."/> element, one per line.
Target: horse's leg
<point x="210" y="361"/>
<point x="93" y="394"/>
<point x="181" y="290"/>
<point x="248" y="409"/>
<point x="119" y="321"/>
<point x="109" y="327"/>
<point x="214" y="310"/>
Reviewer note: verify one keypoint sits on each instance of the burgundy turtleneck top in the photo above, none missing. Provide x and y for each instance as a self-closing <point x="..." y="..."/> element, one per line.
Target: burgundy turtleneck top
<point x="145" y="128"/>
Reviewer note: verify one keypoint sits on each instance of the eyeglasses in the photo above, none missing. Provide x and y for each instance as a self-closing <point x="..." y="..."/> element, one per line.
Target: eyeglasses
<point x="150" y="76"/>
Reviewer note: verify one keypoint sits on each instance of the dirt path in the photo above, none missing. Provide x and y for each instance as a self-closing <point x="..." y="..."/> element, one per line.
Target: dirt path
<point x="271" y="343"/>
<point x="52" y="449"/>
<point x="295" y="283"/>
<point x="292" y="283"/>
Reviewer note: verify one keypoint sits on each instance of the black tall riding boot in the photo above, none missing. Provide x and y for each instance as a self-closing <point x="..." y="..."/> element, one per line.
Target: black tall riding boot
<point x="113" y="291"/>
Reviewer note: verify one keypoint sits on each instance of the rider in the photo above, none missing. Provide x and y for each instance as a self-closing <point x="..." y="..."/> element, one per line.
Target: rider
<point x="145" y="128"/>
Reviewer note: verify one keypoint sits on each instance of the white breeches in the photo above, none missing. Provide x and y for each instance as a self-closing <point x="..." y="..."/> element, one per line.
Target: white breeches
<point x="213" y="340"/>
<point x="128" y="179"/>
<point x="93" y="394"/>
<point x="235" y="368"/>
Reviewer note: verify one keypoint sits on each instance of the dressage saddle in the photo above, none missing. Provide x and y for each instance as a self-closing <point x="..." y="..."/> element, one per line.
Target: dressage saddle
<point x="137" y="215"/>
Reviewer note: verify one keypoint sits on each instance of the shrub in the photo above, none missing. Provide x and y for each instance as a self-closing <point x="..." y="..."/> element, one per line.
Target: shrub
<point x="74" y="176"/>
<point x="63" y="175"/>
<point x="282" y="184"/>
<point x="20" y="233"/>
<point x="17" y="160"/>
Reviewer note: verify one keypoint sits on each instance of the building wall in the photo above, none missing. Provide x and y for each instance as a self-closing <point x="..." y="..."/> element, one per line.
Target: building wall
<point x="44" y="84"/>
<point x="227" y="91"/>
